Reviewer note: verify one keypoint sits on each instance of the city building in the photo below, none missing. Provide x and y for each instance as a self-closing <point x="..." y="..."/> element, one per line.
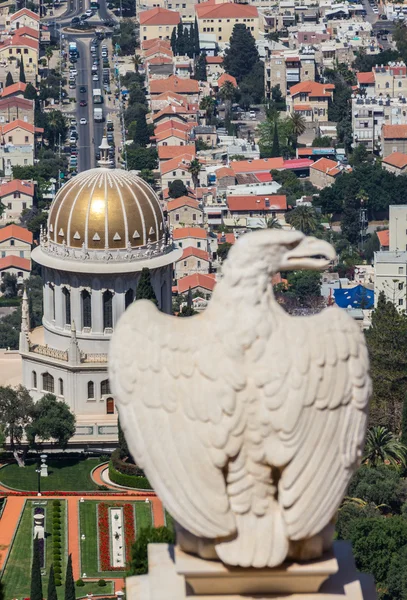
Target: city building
<point x="158" y="23"/>
<point x="192" y="261"/>
<point x="23" y="18"/>
<point x="15" y="252"/>
<point x="104" y="227"/>
<point x="311" y="99"/>
<point x="16" y="196"/>
<point x="13" y="108"/>
<point x="242" y="208"/>
<point x="324" y="171"/>
<point x="197" y="283"/>
<point x="184" y="212"/>
<point x="393" y="139"/>
<point x="389" y="80"/>
<point x="219" y="19"/>
<point x="370" y="114"/>
<point x="287" y="68"/>
<point x="395" y="163"/>
<point x="184" y="237"/>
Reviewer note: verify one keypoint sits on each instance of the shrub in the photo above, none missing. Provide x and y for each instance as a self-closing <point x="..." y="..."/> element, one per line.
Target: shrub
<point x="131" y="481"/>
<point x="80" y="583"/>
<point x="57" y="556"/>
<point x="56" y="519"/>
<point x="124" y="467"/>
<point x="57" y="582"/>
<point x="101" y="583"/>
<point x="57" y="570"/>
<point x="56" y="503"/>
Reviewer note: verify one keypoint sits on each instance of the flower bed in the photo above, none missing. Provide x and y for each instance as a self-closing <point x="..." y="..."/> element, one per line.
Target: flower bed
<point x="104" y="534"/>
<point x="84" y="494"/>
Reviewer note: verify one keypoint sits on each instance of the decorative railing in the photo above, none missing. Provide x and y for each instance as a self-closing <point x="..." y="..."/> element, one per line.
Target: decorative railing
<point x="94" y="358"/>
<point x="51" y="352"/>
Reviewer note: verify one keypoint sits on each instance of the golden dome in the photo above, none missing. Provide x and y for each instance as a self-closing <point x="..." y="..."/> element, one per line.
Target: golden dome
<point x="104" y="209"/>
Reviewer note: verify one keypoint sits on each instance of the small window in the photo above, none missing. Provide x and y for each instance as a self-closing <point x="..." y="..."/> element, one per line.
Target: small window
<point x="194" y="217"/>
<point x="185" y="263"/>
<point x="198" y="245"/>
<point x="401" y="301"/>
<point x="105" y="387"/>
<point x="91" y="390"/>
<point x="400" y="270"/>
<point x="177" y="217"/>
<point x="34" y="380"/>
<point x="26" y="139"/>
<point x="12" y="243"/>
<point x="61" y="386"/>
<point x="401" y="285"/>
<point x="24" y="205"/>
<point x="48" y="383"/>
<point x="199" y="264"/>
<point x="21" y="253"/>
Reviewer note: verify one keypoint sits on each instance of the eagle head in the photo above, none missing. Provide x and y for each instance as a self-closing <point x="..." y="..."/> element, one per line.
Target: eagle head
<point x="274" y="250"/>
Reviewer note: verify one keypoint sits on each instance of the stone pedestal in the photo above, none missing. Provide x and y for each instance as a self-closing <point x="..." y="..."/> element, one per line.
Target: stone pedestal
<point x="44" y="470"/>
<point x="175" y="575"/>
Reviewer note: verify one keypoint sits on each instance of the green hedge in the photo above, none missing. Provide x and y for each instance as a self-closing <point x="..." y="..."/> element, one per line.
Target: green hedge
<point x="124" y="467"/>
<point x="128" y="480"/>
<point x="10" y="301"/>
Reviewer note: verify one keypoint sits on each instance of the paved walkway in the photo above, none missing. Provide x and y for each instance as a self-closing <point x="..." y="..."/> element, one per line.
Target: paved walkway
<point x="8" y="524"/>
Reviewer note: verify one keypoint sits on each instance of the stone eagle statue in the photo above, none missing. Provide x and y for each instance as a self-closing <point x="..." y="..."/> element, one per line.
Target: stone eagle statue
<point x="248" y="422"/>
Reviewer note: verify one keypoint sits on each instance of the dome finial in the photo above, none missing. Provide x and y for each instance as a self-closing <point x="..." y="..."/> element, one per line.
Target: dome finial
<point x="104" y="152"/>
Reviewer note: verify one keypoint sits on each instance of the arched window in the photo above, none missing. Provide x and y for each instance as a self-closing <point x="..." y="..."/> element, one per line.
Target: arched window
<point x="107" y="309"/>
<point x="91" y="389"/>
<point x="105" y="387"/>
<point x="34" y="380"/>
<point x="47" y="382"/>
<point x="61" y="386"/>
<point x="387" y="85"/>
<point x="86" y="309"/>
<point x="67" y="296"/>
<point x="109" y="406"/>
<point x="128" y="298"/>
<point x="52" y="298"/>
<point x="400" y="84"/>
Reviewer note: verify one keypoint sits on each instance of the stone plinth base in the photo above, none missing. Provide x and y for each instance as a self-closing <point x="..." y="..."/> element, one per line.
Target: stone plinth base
<point x="175" y="575"/>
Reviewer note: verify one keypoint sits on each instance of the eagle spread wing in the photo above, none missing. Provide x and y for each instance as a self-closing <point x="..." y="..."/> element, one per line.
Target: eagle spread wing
<point x="251" y="444"/>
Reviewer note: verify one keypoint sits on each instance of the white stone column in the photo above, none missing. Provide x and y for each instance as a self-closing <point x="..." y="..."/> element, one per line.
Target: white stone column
<point x="97" y="311"/>
<point x="118" y="306"/>
<point x="76" y="308"/>
<point x="59" y="307"/>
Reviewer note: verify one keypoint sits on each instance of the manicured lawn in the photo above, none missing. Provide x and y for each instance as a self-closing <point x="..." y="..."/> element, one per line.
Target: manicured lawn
<point x="64" y="475"/>
<point x="169" y="521"/>
<point x="16" y="577"/>
<point x="92" y="588"/>
<point x="89" y="546"/>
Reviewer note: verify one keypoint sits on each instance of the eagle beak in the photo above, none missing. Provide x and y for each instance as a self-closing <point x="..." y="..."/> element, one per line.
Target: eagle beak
<point x="309" y="253"/>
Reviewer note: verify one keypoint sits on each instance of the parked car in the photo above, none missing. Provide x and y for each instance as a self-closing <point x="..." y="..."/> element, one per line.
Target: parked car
<point x="83" y="121"/>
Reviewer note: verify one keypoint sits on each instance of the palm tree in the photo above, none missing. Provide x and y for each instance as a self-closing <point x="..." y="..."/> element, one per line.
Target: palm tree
<point x="48" y="54"/>
<point x="137" y="61"/>
<point x="227" y="94"/>
<point x="383" y="447"/>
<point x="271" y="223"/>
<point x="298" y="125"/>
<point x="303" y="218"/>
<point x="195" y="168"/>
<point x="208" y="105"/>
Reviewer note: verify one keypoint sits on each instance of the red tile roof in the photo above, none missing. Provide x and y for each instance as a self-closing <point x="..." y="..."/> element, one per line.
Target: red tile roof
<point x="16" y="232"/>
<point x="214" y="60"/>
<point x="227" y="10"/>
<point x="15" y="261"/>
<point x="197" y="252"/>
<point x="394" y="132"/>
<point x="16" y="102"/>
<point x="313" y="89"/>
<point x="229" y="238"/>
<point x="22" y="124"/>
<point x="384" y="238"/>
<point x="19" y="41"/>
<point x="174" y="84"/>
<point x="256" y="203"/>
<point x="396" y="159"/>
<point x="189" y="232"/>
<point x="14" y="89"/>
<point x="158" y="51"/>
<point x="29" y="31"/>
<point x="169" y="152"/>
<point x="24" y="11"/>
<point x="180" y="162"/>
<point x="302" y="107"/>
<point x="263" y="177"/>
<point x="163" y="135"/>
<point x="17" y="185"/>
<point x="147" y="44"/>
<point x="181" y="112"/>
<point x="256" y="165"/>
<point x="298" y="163"/>
<point x="224" y="172"/>
<point x="226" y="77"/>
<point x="159" y="16"/>
<point x="325" y="165"/>
<point x="365" y="78"/>
<point x="182" y="201"/>
<point x="207" y="282"/>
<point x="172" y="124"/>
<point x="159" y="60"/>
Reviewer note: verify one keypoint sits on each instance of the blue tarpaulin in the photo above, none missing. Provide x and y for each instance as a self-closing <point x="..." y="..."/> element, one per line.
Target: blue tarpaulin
<point x="357" y="297"/>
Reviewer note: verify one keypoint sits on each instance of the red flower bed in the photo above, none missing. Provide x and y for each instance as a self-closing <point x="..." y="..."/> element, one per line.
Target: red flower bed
<point x="84" y="494"/>
<point x="104" y="534"/>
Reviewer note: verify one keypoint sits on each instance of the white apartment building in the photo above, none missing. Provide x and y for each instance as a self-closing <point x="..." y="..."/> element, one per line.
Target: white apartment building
<point x="369" y="114"/>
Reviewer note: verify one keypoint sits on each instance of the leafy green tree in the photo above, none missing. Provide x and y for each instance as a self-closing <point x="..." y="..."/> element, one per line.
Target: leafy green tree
<point x="350" y="512"/>
<point x="379" y="485"/>
<point x="227" y="93"/>
<point x="22" y="73"/>
<point x="304" y="286"/>
<point x="145" y="289"/>
<point x="52" y="590"/>
<point x="16" y="412"/>
<point x="173" y="41"/>
<point x="372" y="245"/>
<point x="386" y="340"/>
<point x="9" y="79"/>
<point x="9" y="285"/>
<point x="55" y="127"/>
<point x="403" y="438"/>
<point x="139" y="159"/>
<point x="123" y="447"/>
<point x="383" y="447"/>
<point x="208" y="104"/>
<point x="51" y="420"/>
<point x="397" y="576"/>
<point x="30" y="92"/>
<point x="188" y="310"/>
<point x="303" y="218"/>
<point x="195" y="168"/>
<point x="323" y="141"/>
<point x="241" y="56"/>
<point x="350" y="225"/>
<point x="36" y="581"/>
<point x="151" y="535"/>
<point x="69" y="581"/>
<point x="142" y="134"/>
<point x="252" y="86"/>
<point x="148" y="176"/>
<point x="223" y="250"/>
<point x="176" y="189"/>
<point x="298" y="124"/>
<point x="196" y="38"/>
<point x="275" y="150"/>
<point x="180" y="39"/>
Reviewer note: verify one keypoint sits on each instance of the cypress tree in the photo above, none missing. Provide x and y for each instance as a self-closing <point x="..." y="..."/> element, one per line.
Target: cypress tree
<point x="180" y="39"/>
<point x="145" y="289"/>
<point x="404" y="422"/>
<point x="174" y="41"/>
<point x="30" y="92"/>
<point x="36" y="582"/>
<point x="52" y="590"/>
<point x="9" y="79"/>
<point x="69" y="581"/>
<point x="141" y="135"/>
<point x="22" y="73"/>
<point x="196" y="38"/>
<point x="275" y="150"/>
<point x="124" y="449"/>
